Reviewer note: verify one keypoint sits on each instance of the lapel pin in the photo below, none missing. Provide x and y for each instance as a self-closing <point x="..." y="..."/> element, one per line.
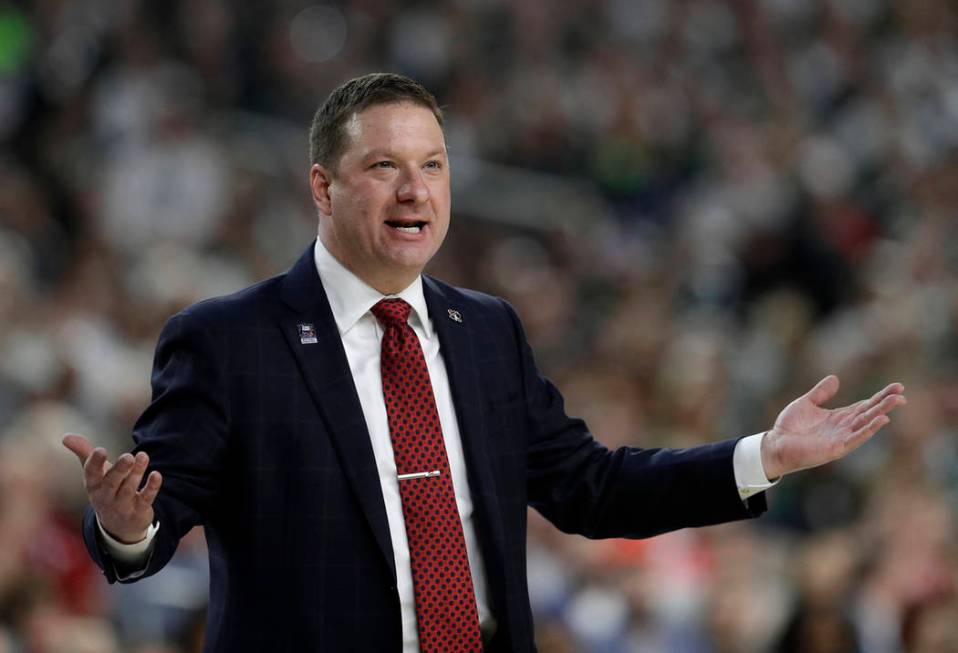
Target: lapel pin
<point x="307" y="334"/>
<point x="454" y="315"/>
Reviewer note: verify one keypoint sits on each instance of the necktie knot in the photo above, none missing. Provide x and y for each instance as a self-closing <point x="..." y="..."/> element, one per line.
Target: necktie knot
<point x="391" y="312"/>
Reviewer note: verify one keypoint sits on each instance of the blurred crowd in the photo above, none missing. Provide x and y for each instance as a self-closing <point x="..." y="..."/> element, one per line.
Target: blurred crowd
<point x="776" y="193"/>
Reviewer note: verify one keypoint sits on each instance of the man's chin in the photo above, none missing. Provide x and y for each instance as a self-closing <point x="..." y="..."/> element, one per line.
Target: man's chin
<point x="394" y="274"/>
<point x="410" y="257"/>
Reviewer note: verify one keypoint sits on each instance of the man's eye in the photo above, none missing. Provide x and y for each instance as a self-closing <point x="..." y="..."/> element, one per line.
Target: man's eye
<point x="434" y="165"/>
<point x="383" y="164"/>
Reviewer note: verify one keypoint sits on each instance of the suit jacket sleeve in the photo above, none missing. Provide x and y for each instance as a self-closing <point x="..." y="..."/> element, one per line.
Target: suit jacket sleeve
<point x="184" y="431"/>
<point x="583" y="487"/>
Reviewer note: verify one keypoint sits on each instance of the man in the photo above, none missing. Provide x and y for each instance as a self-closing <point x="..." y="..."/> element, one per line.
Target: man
<point x="360" y="441"/>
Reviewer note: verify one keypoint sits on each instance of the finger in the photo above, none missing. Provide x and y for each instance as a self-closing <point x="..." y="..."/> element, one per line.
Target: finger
<point x="79" y="445"/>
<point x="130" y="484"/>
<point x="95" y="468"/>
<point x="823" y="390"/>
<point x="153" y="482"/>
<point x="891" y="389"/>
<point x="862" y="435"/>
<point x="886" y="406"/>
<point x="118" y="473"/>
<point x="851" y="411"/>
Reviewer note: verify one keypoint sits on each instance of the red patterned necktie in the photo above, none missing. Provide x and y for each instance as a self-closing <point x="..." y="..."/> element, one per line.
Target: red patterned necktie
<point x="446" y="612"/>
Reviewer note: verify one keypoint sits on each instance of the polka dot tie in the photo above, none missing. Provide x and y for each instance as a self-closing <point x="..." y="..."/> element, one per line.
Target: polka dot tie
<point x="446" y="613"/>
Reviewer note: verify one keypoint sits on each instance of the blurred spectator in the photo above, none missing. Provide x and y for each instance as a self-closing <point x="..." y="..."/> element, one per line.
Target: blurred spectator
<point x="769" y="188"/>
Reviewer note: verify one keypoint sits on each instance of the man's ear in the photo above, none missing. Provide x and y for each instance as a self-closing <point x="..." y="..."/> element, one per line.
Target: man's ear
<point x="320" y="178"/>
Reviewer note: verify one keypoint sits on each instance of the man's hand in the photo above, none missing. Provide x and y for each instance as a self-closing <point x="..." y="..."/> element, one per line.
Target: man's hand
<point x="125" y="511"/>
<point x="807" y="435"/>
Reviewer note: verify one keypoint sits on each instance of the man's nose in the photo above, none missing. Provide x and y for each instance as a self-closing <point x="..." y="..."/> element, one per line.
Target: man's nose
<point x="412" y="188"/>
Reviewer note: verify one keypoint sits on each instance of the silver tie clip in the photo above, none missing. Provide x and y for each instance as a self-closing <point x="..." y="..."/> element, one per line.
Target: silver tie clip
<point x="403" y="477"/>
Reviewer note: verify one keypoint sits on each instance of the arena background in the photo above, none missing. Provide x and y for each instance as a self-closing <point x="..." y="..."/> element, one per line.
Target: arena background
<point x="698" y="208"/>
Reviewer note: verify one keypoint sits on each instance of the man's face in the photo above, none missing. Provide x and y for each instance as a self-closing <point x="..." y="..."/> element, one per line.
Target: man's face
<point x="384" y="208"/>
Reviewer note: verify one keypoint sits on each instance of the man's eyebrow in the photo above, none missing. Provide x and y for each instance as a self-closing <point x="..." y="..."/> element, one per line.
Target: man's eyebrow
<point x="389" y="154"/>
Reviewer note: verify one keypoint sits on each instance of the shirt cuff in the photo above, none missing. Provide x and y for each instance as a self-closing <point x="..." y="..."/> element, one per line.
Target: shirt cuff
<point x="130" y="554"/>
<point x="747" y="463"/>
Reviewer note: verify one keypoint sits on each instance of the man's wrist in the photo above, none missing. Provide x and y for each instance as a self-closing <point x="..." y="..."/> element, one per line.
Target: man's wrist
<point x="770" y="464"/>
<point x="127" y="542"/>
<point x="126" y="551"/>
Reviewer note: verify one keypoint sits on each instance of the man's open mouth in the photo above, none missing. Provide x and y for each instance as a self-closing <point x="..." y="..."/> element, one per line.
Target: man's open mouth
<point x="407" y="226"/>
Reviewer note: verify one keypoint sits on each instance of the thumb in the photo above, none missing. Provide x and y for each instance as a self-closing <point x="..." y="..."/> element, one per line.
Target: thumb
<point x="79" y="445"/>
<point x="823" y="390"/>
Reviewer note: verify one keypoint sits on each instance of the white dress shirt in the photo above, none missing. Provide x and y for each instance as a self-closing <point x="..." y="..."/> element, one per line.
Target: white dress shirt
<point x="350" y="299"/>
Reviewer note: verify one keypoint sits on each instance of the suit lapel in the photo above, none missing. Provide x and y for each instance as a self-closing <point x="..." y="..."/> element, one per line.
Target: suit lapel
<point x="456" y="342"/>
<point x="326" y="370"/>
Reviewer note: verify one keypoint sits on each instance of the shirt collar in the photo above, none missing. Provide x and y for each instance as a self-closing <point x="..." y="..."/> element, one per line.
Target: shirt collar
<point x="350" y="298"/>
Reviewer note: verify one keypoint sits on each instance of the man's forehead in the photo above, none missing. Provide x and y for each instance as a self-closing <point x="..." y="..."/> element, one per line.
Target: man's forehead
<point x="386" y="117"/>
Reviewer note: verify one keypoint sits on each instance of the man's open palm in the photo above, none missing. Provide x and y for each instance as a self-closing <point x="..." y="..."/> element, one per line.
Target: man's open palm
<point x="125" y="510"/>
<point x="807" y="435"/>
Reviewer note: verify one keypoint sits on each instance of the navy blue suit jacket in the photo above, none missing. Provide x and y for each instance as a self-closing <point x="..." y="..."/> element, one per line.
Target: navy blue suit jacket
<point x="261" y="439"/>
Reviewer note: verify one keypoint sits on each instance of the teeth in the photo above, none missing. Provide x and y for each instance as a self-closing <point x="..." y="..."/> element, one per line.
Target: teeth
<point x="409" y="230"/>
